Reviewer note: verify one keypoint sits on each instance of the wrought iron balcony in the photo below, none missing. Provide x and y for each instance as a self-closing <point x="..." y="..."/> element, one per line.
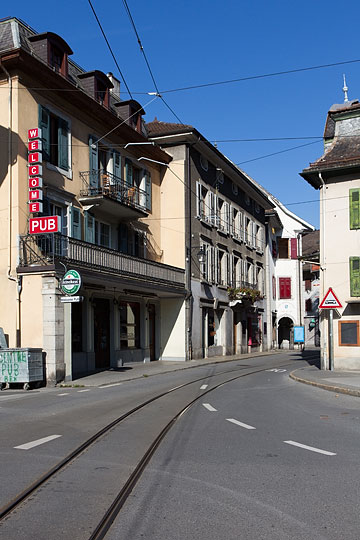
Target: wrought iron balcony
<point x="103" y="188"/>
<point x="44" y="250"/>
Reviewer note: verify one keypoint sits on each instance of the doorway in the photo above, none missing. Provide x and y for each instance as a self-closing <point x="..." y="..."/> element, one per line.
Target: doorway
<point x="151" y="312"/>
<point x="102" y="333"/>
<point x="284" y="330"/>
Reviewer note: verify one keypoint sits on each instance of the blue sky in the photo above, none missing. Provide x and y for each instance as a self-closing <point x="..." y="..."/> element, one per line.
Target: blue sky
<point x="195" y="42"/>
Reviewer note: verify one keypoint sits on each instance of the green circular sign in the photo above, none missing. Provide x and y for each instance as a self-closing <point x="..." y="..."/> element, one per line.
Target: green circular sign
<point x="71" y="282"/>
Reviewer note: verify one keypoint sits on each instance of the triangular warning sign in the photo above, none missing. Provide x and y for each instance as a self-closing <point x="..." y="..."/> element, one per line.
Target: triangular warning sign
<point x="330" y="301"/>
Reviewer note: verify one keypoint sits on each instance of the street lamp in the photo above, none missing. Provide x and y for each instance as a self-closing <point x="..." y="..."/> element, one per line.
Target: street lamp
<point x="201" y="255"/>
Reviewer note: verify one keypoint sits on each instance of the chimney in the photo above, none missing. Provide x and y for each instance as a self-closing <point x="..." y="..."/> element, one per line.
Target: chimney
<point x="116" y="90"/>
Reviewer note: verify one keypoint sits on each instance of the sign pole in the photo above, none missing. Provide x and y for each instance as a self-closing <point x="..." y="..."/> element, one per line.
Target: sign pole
<point x="331" y="340"/>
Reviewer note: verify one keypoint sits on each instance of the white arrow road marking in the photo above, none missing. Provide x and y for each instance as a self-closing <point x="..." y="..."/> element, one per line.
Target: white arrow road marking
<point x="241" y="424"/>
<point x="204" y="386"/>
<point x="31" y="444"/>
<point x="311" y="448"/>
<point x="209" y="407"/>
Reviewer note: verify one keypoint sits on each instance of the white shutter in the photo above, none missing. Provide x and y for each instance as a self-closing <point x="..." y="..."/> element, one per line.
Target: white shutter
<point x="240" y="225"/>
<point x="198" y="199"/>
<point x="226" y="223"/>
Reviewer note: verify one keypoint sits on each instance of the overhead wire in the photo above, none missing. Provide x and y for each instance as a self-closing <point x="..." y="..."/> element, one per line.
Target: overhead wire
<point x="109" y="47"/>
<point x="127" y="9"/>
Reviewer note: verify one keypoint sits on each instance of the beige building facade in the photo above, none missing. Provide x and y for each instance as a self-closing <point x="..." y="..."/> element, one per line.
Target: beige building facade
<point x="100" y="176"/>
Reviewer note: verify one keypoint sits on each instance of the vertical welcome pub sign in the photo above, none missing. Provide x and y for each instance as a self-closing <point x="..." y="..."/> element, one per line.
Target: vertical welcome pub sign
<point x="46" y="224"/>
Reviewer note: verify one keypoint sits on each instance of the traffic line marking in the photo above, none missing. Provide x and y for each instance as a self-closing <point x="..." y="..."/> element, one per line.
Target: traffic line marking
<point x="241" y="424"/>
<point x="209" y="407"/>
<point x="110" y="385"/>
<point x="65" y="394"/>
<point x="88" y="390"/>
<point x="204" y="386"/>
<point x="32" y="444"/>
<point x="311" y="448"/>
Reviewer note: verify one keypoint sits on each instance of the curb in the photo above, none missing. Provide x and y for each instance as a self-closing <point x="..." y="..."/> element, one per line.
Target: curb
<point x="330" y="388"/>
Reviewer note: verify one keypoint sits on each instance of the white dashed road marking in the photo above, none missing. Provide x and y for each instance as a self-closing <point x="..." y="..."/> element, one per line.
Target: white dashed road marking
<point x="110" y="385"/>
<point x="311" y="448"/>
<point x="209" y="407"/>
<point x="241" y="424"/>
<point x="203" y="387"/>
<point x="32" y="444"/>
<point x="79" y="391"/>
<point x="65" y="394"/>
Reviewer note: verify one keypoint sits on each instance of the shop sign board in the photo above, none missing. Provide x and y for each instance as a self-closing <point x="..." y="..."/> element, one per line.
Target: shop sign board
<point x="299" y="334"/>
<point x="45" y="225"/>
<point x="71" y="282"/>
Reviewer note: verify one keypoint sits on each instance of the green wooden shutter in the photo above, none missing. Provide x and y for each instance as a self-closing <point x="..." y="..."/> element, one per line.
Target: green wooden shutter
<point x="93" y="162"/>
<point x="354" y="276"/>
<point x="89" y="228"/>
<point x="148" y="190"/>
<point x="63" y="143"/>
<point x="117" y="165"/>
<point x="128" y="172"/>
<point x="75" y="222"/>
<point x="44" y="124"/>
<point x="354" y="203"/>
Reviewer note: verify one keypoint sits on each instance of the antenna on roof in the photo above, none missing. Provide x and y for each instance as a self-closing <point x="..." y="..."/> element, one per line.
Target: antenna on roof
<point x="345" y="90"/>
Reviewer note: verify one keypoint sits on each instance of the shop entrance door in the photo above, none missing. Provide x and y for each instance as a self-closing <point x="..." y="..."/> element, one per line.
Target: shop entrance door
<point x="102" y="333"/>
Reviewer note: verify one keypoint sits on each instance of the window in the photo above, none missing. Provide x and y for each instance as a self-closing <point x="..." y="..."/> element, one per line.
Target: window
<point x="76" y="327"/>
<point x="223" y="216"/>
<point x="259" y="242"/>
<point x="354" y="204"/>
<point x="102" y="234"/>
<point x="129" y="325"/>
<point x="285" y="288"/>
<point x="201" y="197"/>
<point x="349" y="333"/>
<point x="55" y="138"/>
<point x="283" y="248"/>
<point x="75" y="222"/>
<point x="354" y="276"/>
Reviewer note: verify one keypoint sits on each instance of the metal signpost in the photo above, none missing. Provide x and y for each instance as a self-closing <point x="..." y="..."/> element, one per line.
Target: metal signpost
<point x="330" y="302"/>
<point x="70" y="285"/>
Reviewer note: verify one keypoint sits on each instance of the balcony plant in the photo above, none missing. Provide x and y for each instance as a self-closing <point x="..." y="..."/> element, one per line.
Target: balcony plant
<point x="246" y="294"/>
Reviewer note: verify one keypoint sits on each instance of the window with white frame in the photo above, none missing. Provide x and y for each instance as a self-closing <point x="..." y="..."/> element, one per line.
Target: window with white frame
<point x="223" y="267"/>
<point x="201" y="201"/>
<point x="102" y="234"/>
<point x="259" y="238"/>
<point x="223" y="214"/>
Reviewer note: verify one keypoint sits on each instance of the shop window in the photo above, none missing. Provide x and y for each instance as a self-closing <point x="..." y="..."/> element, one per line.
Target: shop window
<point x="55" y="138"/>
<point x="349" y="333"/>
<point x="76" y="327"/>
<point x="129" y="325"/>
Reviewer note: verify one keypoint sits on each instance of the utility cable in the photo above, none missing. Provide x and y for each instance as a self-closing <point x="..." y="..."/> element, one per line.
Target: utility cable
<point x="275" y="153"/>
<point x="262" y="76"/>
<point x="158" y="93"/>
<point x="110" y="49"/>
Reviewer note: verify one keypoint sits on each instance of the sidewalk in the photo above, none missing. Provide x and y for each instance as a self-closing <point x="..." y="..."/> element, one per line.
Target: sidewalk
<point x="137" y="370"/>
<point x="341" y="382"/>
<point x="345" y="382"/>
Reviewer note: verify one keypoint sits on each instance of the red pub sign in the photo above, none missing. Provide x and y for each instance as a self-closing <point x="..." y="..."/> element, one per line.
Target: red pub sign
<point x="43" y="225"/>
<point x="46" y="224"/>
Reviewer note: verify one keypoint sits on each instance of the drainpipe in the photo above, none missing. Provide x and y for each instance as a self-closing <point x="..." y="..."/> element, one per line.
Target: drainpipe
<point x="323" y="359"/>
<point x="10" y="215"/>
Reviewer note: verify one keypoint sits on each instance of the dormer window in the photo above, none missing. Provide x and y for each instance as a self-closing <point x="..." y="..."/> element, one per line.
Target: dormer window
<point x="52" y="50"/>
<point x="131" y="112"/>
<point x="98" y="85"/>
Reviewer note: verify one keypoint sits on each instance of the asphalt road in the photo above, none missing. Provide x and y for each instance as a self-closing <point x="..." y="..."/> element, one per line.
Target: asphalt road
<point x="234" y="468"/>
<point x="262" y="457"/>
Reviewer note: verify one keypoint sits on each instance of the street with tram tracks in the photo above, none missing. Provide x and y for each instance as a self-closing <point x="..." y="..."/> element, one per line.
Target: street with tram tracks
<point x="235" y="450"/>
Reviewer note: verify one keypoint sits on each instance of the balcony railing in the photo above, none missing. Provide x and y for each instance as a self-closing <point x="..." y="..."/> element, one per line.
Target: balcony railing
<point x="102" y="183"/>
<point x="43" y="250"/>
